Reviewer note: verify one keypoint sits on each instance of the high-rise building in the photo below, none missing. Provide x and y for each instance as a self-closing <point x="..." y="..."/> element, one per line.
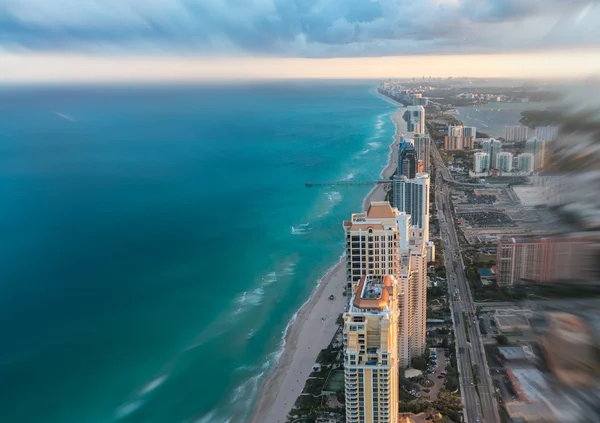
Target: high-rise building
<point x="412" y="303"/>
<point x="422" y="147"/>
<point x="371" y="367"/>
<point x="525" y="162"/>
<point x="546" y="133"/>
<point x="455" y="130"/>
<point x="537" y="147"/>
<point x="469" y="131"/>
<point x="458" y="143"/>
<point x="411" y="196"/>
<point x="568" y="259"/>
<point x="462" y="131"/>
<point x="481" y="162"/>
<point x="415" y="119"/>
<point x="504" y="161"/>
<point x="492" y="147"/>
<point x="372" y="243"/>
<point x="407" y="160"/>
<point x="515" y="133"/>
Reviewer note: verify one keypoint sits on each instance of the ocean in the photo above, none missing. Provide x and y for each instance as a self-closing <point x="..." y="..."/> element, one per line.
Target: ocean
<point x="157" y="240"/>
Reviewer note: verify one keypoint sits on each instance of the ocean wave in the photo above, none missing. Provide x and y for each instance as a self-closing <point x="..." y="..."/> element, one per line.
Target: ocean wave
<point x="375" y="144"/>
<point x="126" y="409"/>
<point x="298" y="231"/>
<point x="334" y="197"/>
<point x="250" y="333"/>
<point x="349" y="176"/>
<point x="365" y="151"/>
<point x="288" y="270"/>
<point x="153" y="385"/>
<point x="269" y="279"/>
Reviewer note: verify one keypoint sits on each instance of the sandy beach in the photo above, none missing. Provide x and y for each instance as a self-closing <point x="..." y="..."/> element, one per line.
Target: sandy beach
<point x="379" y="191"/>
<point x="315" y="324"/>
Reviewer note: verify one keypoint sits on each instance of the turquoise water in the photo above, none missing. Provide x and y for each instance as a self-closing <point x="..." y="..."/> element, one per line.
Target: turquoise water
<point x="158" y="240"/>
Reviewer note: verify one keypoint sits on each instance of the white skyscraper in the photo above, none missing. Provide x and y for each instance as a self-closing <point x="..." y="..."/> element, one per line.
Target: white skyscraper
<point x="525" y="162"/>
<point x="481" y="162"/>
<point x="455" y="130"/>
<point x="415" y="119"/>
<point x="515" y="133"/>
<point x="537" y="147"/>
<point x="505" y="161"/>
<point x="412" y="197"/>
<point x="546" y="133"/>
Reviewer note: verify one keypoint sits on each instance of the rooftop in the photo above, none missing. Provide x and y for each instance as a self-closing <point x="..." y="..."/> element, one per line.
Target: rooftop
<point x="380" y="210"/>
<point x="373" y="292"/>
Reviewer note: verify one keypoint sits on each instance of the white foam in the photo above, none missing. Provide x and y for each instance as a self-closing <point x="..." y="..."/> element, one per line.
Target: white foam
<point x="334" y="197"/>
<point x="269" y="279"/>
<point x="127" y="409"/>
<point x="365" y="151"/>
<point x="349" y="176"/>
<point x="375" y="144"/>
<point x="298" y="231"/>
<point x="255" y="297"/>
<point x="289" y="270"/>
<point x="250" y="333"/>
<point x="151" y="386"/>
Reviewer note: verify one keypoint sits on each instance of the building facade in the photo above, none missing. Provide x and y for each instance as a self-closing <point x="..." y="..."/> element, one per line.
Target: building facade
<point x="515" y="133"/>
<point x="371" y="351"/>
<point x="411" y="196"/>
<point x="415" y="119"/>
<point x="407" y="160"/>
<point x="492" y="147"/>
<point x="372" y="243"/>
<point x="546" y="133"/>
<point x="525" y="162"/>
<point x="559" y="259"/>
<point x="422" y="147"/>
<point x="537" y="147"/>
<point x="481" y="162"/>
<point x="504" y="162"/>
<point x="458" y="143"/>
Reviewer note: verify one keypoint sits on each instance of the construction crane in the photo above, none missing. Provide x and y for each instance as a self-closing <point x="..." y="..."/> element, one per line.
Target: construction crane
<point x="348" y="183"/>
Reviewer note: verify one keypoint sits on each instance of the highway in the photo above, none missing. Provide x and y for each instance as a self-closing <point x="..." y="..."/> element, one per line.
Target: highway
<point x="478" y="396"/>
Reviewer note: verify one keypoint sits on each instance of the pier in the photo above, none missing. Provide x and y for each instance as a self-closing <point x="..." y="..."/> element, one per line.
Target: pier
<point x="347" y="183"/>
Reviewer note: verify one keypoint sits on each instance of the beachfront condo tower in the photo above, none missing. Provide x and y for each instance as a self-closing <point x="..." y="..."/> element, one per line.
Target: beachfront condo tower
<point x="370" y="351"/>
<point x="407" y="160"/>
<point x="411" y="196"/>
<point x="372" y="243"/>
<point x="415" y="119"/>
<point x="412" y="298"/>
<point x="422" y="147"/>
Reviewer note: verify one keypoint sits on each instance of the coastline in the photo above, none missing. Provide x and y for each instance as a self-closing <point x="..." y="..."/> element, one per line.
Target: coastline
<point x="378" y="192"/>
<point x="315" y="323"/>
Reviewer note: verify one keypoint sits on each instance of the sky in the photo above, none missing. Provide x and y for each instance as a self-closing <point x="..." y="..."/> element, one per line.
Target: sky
<point x="188" y="39"/>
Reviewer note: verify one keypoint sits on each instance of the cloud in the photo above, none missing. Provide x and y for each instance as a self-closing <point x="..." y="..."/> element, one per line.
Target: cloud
<point x="297" y="28"/>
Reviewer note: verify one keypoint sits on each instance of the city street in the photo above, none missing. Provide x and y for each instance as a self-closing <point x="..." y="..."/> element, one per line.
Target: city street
<point x="479" y="407"/>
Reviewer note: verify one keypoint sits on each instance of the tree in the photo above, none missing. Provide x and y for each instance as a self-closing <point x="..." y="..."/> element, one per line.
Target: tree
<point x="419" y="363"/>
<point x="502" y="340"/>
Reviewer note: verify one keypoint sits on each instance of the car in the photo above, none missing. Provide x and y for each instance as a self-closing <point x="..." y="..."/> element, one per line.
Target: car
<point x="440" y="377"/>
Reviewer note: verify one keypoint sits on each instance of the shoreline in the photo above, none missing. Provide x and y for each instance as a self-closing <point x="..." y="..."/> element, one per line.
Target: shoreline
<point x="315" y="323"/>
